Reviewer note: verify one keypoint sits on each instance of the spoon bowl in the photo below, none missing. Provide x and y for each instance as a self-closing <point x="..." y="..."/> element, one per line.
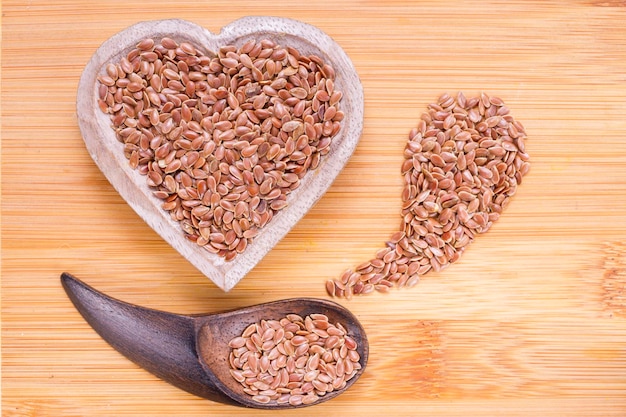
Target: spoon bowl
<point x="191" y="351"/>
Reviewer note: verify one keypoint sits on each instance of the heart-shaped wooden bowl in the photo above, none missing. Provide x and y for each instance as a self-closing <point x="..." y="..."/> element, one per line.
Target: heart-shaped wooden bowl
<point x="107" y="151"/>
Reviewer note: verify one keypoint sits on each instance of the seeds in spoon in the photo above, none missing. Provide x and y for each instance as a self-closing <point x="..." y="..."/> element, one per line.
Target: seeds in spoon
<point x="463" y="163"/>
<point x="224" y="139"/>
<point x="293" y="360"/>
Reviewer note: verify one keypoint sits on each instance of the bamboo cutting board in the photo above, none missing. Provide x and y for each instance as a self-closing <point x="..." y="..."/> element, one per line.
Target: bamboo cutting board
<point x="530" y="321"/>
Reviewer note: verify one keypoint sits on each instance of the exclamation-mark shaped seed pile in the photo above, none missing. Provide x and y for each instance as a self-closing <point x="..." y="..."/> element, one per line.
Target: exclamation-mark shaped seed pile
<point x="293" y="360"/>
<point x="463" y="163"/>
<point x="222" y="139"/>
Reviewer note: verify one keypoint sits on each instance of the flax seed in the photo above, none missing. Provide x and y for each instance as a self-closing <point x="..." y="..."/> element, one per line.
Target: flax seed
<point x="278" y="373"/>
<point x="217" y="123"/>
<point x="463" y="162"/>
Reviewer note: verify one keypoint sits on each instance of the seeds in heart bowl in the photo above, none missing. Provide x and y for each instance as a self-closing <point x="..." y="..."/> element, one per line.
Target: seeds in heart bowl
<point x="463" y="162"/>
<point x="222" y="139"/>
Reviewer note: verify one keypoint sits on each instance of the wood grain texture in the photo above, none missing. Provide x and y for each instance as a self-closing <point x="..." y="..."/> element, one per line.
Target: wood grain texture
<point x="530" y="321"/>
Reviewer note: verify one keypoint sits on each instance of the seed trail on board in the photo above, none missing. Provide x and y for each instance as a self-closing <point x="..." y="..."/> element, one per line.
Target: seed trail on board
<point x="463" y="162"/>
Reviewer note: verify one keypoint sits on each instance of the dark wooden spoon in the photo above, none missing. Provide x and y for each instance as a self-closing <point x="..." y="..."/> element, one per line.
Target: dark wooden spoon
<point x="191" y="351"/>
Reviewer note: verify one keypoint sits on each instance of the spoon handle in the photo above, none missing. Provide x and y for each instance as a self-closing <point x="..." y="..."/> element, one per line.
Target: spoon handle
<point x="162" y="343"/>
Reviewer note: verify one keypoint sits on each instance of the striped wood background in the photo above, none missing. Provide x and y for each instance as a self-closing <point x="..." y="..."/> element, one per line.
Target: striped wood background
<point x="531" y="321"/>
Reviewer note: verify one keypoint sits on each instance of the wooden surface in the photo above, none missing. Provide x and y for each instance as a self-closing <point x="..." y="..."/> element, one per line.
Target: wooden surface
<point x="530" y="321"/>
